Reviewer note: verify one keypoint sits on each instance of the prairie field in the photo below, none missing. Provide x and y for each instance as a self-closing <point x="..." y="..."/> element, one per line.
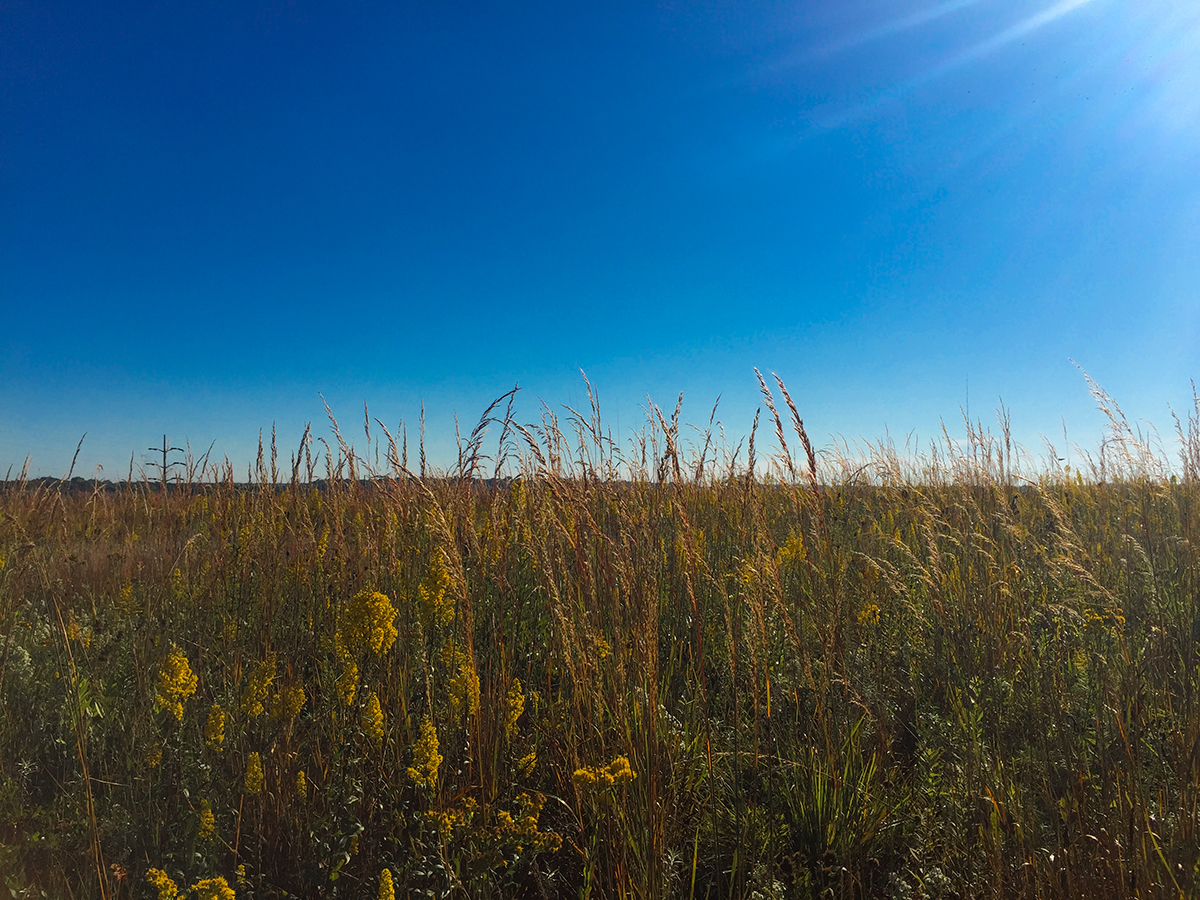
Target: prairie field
<point x="679" y="666"/>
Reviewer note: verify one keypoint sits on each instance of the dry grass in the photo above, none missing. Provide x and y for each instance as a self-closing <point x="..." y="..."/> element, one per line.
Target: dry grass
<point x="863" y="674"/>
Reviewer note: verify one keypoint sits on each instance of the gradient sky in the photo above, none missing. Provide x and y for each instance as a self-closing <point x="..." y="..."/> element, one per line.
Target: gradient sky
<point x="211" y="212"/>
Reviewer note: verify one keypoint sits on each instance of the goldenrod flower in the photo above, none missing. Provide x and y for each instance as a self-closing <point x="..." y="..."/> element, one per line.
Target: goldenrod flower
<point x="289" y="702"/>
<point x="793" y="552"/>
<point x="347" y="683"/>
<point x="214" y="728"/>
<point x="435" y="608"/>
<point x="463" y="688"/>
<point x="620" y="771"/>
<point x="869" y="615"/>
<point x="448" y="820"/>
<point x="255" y="695"/>
<point x="167" y="889"/>
<point x="208" y="822"/>
<point x="387" y="890"/>
<point x="616" y="772"/>
<point x="301" y="785"/>
<point x="153" y="756"/>
<point x="176" y="682"/>
<point x="525" y="828"/>
<point x="75" y="633"/>
<point x="214" y="889"/>
<point x="126" y="601"/>
<point x="372" y="718"/>
<point x="367" y="620"/>
<point x="254" y="774"/>
<point x="515" y="705"/>
<point x="527" y="763"/>
<point x="426" y="758"/>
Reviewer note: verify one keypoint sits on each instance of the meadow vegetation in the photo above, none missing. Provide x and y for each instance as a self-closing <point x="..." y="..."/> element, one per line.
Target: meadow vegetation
<point x="568" y="667"/>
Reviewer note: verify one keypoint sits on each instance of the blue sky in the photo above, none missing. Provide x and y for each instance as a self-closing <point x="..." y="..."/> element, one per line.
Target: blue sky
<point x="210" y="213"/>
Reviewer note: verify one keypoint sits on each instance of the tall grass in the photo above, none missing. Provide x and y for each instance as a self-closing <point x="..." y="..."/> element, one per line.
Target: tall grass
<point x="677" y="668"/>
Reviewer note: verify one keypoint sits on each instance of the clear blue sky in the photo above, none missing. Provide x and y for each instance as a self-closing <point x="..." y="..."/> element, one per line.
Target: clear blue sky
<point x="210" y="212"/>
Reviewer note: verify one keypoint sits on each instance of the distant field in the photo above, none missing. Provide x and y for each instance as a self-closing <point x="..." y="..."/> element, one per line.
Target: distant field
<point x="601" y="675"/>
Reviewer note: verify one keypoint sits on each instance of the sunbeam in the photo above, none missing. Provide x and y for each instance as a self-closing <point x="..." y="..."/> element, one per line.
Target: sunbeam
<point x="887" y="29"/>
<point x="954" y="62"/>
<point x="983" y="48"/>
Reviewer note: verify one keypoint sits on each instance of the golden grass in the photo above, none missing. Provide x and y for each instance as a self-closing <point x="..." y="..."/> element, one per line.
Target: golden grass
<point x="664" y="672"/>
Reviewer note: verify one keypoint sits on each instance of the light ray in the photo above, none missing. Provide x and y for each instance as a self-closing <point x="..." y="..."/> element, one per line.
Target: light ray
<point x="970" y="54"/>
<point x="887" y="29"/>
<point x="880" y="31"/>
<point x="983" y="48"/>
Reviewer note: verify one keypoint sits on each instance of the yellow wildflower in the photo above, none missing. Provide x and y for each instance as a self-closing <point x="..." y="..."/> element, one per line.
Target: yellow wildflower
<point x="301" y="785"/>
<point x="368" y="619"/>
<point x="515" y="703"/>
<point x="527" y="763"/>
<point x="448" y="820"/>
<point x="525" y="828"/>
<point x="747" y="574"/>
<point x="254" y="774"/>
<point x="620" y="770"/>
<point x="289" y="702"/>
<point x="372" y="718"/>
<point x="214" y="889"/>
<point x="792" y="553"/>
<point x="869" y="615"/>
<point x="126" y="600"/>
<point x="435" y="608"/>
<point x="167" y="889"/>
<point x="208" y="822"/>
<point x="616" y="772"/>
<point x="387" y="890"/>
<point x="463" y="688"/>
<point x="347" y="683"/>
<point x="426" y="758"/>
<point x="176" y="682"/>
<point x="153" y="756"/>
<point x="75" y="633"/>
<point x="255" y="695"/>
<point x="214" y="728"/>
